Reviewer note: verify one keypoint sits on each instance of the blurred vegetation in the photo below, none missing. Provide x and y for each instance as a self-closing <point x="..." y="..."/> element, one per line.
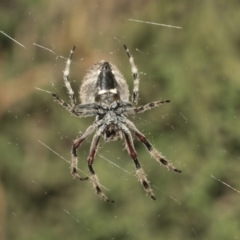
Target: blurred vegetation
<point x="197" y="67"/>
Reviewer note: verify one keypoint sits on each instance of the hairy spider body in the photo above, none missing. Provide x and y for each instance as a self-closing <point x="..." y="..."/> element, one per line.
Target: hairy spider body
<point x="104" y="93"/>
<point x="103" y="83"/>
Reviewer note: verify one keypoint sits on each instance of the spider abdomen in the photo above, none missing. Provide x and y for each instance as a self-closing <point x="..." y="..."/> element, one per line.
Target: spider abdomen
<point x="103" y="83"/>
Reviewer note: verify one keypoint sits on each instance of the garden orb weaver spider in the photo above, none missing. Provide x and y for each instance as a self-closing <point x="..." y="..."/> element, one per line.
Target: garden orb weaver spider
<point x="104" y="93"/>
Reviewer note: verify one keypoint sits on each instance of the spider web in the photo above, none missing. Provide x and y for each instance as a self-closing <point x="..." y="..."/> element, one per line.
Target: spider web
<point x="33" y="159"/>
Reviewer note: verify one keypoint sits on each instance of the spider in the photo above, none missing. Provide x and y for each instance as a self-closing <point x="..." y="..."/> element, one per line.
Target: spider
<point x="104" y="93"/>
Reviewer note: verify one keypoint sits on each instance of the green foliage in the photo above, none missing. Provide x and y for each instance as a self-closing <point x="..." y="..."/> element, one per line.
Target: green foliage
<point x="197" y="67"/>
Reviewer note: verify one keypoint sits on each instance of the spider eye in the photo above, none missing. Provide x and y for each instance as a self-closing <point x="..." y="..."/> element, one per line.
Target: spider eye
<point x="112" y="133"/>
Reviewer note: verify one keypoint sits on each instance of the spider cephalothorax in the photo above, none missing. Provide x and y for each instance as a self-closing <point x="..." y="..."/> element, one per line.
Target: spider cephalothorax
<point x="104" y="93"/>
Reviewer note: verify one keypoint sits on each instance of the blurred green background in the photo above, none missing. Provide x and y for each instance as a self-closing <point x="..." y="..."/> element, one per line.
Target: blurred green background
<point x="197" y="67"/>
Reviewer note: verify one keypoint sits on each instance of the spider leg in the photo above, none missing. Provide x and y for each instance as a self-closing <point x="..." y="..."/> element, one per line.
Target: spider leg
<point x="81" y="110"/>
<point x="135" y="74"/>
<point x="149" y="106"/>
<point x="75" y="145"/>
<point x="63" y="103"/>
<point x="140" y="173"/>
<point x="69" y="88"/>
<point x="87" y="109"/>
<point x="158" y="156"/>
<point x="66" y="79"/>
<point x="91" y="157"/>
